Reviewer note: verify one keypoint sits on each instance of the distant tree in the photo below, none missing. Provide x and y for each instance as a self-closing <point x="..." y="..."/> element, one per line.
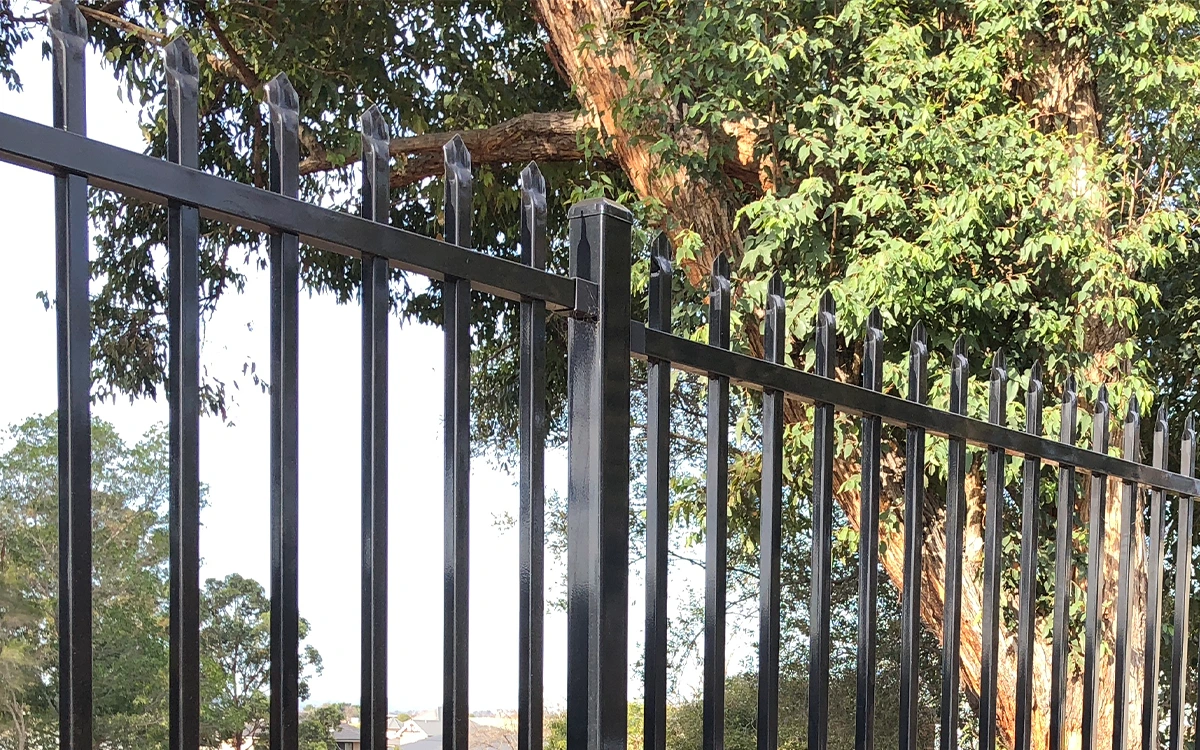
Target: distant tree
<point x="235" y="640"/>
<point x="129" y="630"/>
<point x="317" y="726"/>
<point x="129" y="498"/>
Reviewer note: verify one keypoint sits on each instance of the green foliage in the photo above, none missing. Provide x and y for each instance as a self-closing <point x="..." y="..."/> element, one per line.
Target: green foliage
<point x="129" y="560"/>
<point x="130" y="617"/>
<point x="235" y="642"/>
<point x="317" y="726"/>
<point x="910" y="174"/>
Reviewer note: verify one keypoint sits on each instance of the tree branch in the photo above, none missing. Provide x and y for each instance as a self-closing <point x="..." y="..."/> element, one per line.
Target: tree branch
<point x="540" y="136"/>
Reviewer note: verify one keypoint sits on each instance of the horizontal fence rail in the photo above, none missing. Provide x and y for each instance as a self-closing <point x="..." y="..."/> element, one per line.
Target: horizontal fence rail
<point x="602" y="339"/>
<point x="751" y="372"/>
<point x="146" y="178"/>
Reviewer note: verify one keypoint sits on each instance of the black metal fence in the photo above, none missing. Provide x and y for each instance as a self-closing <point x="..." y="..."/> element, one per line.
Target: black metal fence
<point x="602" y="339"/>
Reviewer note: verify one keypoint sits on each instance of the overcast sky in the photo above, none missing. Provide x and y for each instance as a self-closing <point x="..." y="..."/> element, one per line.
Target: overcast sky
<point x="234" y="457"/>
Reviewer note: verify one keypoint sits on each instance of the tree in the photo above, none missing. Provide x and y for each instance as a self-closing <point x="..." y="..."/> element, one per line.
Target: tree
<point x="130" y="614"/>
<point x="317" y="726"/>
<point x="129" y="562"/>
<point x="235" y="641"/>
<point x="1015" y="171"/>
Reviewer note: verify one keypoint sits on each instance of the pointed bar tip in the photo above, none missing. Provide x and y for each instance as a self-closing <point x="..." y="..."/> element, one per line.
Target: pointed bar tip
<point x="373" y="125"/>
<point x="1132" y="413"/>
<point x="660" y="255"/>
<point x="1189" y="428"/>
<point x="826" y="314"/>
<point x="532" y="181"/>
<point x="999" y="368"/>
<point x="65" y="18"/>
<point x="181" y="62"/>
<point x="281" y="94"/>
<point x="875" y="319"/>
<point x="918" y="333"/>
<point x="828" y="305"/>
<point x="775" y="293"/>
<point x="1035" y="376"/>
<point x="720" y="266"/>
<point x="456" y="153"/>
<point x="958" y="360"/>
<point x="1160" y="419"/>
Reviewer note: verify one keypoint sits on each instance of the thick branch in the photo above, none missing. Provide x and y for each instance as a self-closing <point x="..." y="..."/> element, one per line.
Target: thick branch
<point x="537" y="136"/>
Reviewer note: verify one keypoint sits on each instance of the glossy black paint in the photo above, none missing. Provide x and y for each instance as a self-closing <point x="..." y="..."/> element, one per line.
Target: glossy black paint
<point x="1063" y="571"/>
<point x="1123" y="646"/>
<point x="956" y="518"/>
<point x="1095" y="575"/>
<point x="749" y="372"/>
<point x="598" y="482"/>
<point x="822" y="533"/>
<point x="375" y="203"/>
<point x="914" y="540"/>
<point x="183" y="397"/>
<point x="456" y="317"/>
<point x="68" y="37"/>
<point x="1027" y="588"/>
<point x="1154" y="595"/>
<point x="658" y="500"/>
<point x="868" y="545"/>
<point x="1186" y="515"/>
<point x="283" y="107"/>
<point x="716" y="503"/>
<point x="532" y="439"/>
<point x="155" y="181"/>
<point x="992" y="542"/>
<point x="771" y="523"/>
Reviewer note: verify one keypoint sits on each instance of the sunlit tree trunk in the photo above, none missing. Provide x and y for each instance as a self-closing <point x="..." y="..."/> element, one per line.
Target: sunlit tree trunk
<point x="1060" y="92"/>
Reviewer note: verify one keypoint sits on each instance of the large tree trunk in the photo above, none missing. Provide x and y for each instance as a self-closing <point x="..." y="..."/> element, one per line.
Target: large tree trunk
<point x="1061" y="89"/>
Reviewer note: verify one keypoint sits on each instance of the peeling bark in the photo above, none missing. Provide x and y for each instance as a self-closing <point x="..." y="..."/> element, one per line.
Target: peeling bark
<point x="1061" y="92"/>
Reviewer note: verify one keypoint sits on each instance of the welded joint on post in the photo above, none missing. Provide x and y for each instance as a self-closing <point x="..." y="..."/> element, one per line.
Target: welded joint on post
<point x="587" y="300"/>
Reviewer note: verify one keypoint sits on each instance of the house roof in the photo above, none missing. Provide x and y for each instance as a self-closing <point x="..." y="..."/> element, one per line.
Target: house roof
<point x="347" y="733"/>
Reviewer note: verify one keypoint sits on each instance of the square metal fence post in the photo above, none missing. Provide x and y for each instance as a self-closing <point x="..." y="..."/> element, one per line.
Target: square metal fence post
<point x="598" y="480"/>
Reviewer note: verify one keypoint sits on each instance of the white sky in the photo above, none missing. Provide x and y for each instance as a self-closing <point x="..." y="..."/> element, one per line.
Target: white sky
<point x="234" y="457"/>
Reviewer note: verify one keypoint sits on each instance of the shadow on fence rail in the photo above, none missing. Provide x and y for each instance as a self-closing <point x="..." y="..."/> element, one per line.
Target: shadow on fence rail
<point x="601" y="340"/>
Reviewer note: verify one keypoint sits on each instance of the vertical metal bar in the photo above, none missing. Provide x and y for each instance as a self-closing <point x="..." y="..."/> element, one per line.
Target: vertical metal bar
<point x="375" y="204"/>
<point x="1063" y="571"/>
<point x="1027" y="588"/>
<point x="598" y="481"/>
<point x="1132" y="452"/>
<point x="1095" y="577"/>
<point x="716" y="515"/>
<point x="822" y="534"/>
<point x="914" y="538"/>
<point x="1183" y="589"/>
<point x="956" y="518"/>
<point x="658" y="500"/>
<point x="284" y="108"/>
<point x="183" y="393"/>
<point x="456" y="305"/>
<point x="68" y="33"/>
<point x="992" y="540"/>
<point x="532" y="432"/>
<point x="1154" y="593"/>
<point x="770" y="540"/>
<point x="868" y="540"/>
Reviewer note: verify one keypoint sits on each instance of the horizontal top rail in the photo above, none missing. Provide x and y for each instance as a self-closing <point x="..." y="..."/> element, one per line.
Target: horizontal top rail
<point x="49" y="149"/>
<point x="751" y="372"/>
<point x="154" y="180"/>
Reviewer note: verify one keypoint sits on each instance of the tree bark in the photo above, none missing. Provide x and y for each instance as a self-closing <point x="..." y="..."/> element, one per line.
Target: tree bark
<point x="1060" y="91"/>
